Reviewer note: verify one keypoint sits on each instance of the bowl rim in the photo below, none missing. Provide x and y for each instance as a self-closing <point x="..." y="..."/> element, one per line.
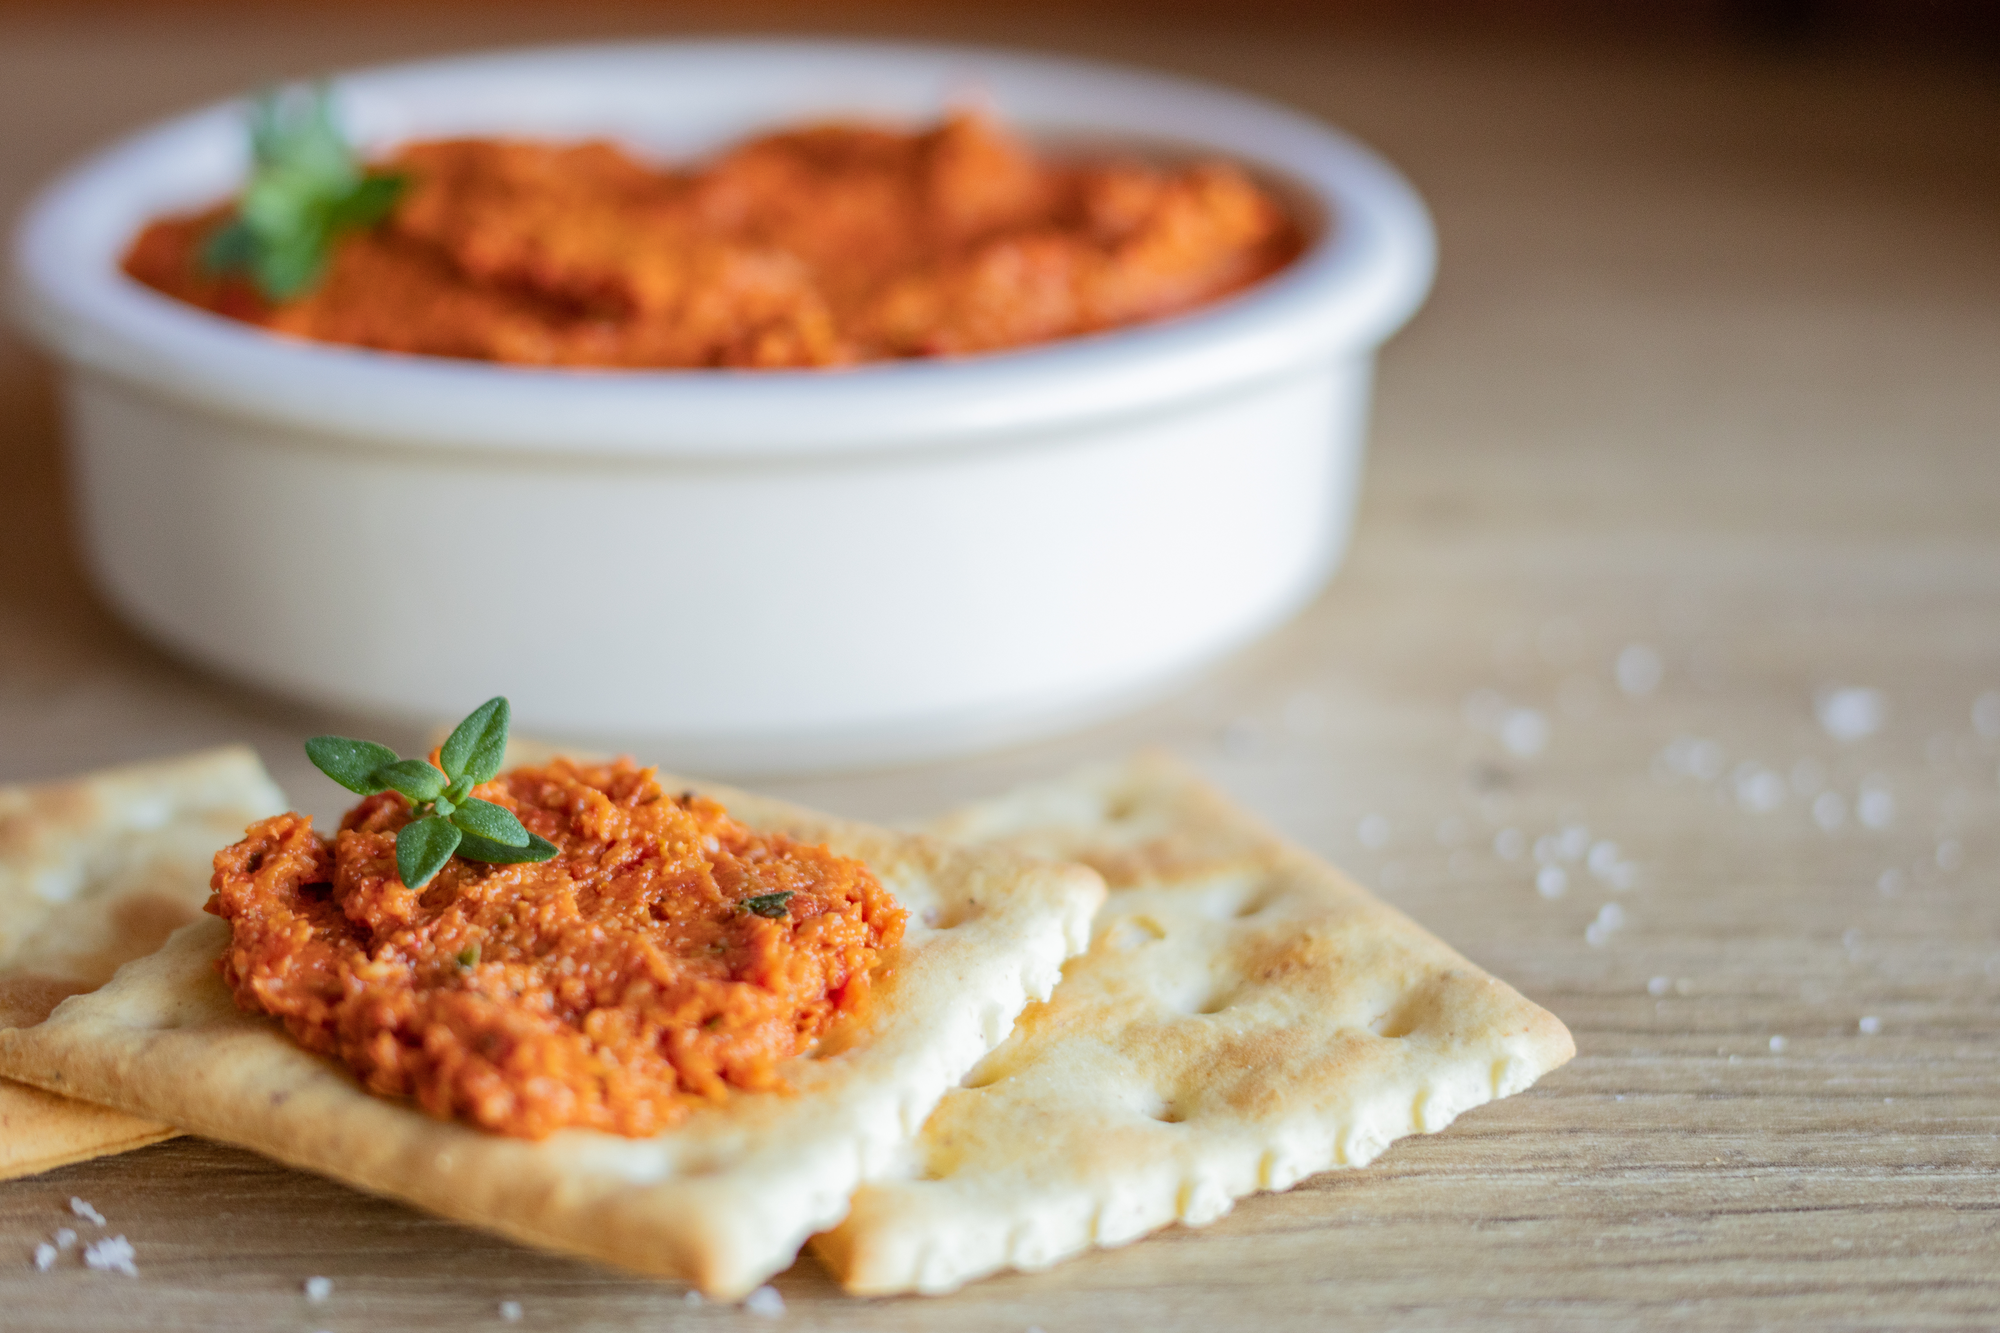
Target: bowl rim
<point x="1351" y="289"/>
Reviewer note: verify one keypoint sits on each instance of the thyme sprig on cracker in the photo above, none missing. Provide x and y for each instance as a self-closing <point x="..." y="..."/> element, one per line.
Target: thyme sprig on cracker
<point x="306" y="187"/>
<point x="446" y="818"/>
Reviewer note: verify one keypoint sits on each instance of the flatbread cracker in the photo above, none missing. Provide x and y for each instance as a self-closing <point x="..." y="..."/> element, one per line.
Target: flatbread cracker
<point x="1246" y="1016"/>
<point x="726" y="1198"/>
<point x="95" y="871"/>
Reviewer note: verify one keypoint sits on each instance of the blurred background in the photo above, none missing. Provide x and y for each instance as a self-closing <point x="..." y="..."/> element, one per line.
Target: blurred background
<point x="1680" y="536"/>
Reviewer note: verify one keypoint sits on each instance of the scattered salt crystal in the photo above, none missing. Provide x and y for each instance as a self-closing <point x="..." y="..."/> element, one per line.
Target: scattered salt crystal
<point x="1658" y="986"/>
<point x="1808" y="776"/>
<point x="1639" y="669"/>
<point x="1509" y="843"/>
<point x="1986" y="715"/>
<point x="1851" y="713"/>
<point x="64" y="1238"/>
<point x="1777" y="1045"/>
<point x="1829" y="810"/>
<point x="1950" y="854"/>
<point x="85" y="1211"/>
<point x="1876" y="806"/>
<point x="1373" y="831"/>
<point x="1525" y="732"/>
<point x="692" y="1297"/>
<point x="1622" y="876"/>
<point x="113" y="1254"/>
<point x="1573" y="842"/>
<point x="1870" y="1026"/>
<point x="45" y="1257"/>
<point x="1609" y="918"/>
<point x="1891" y="882"/>
<point x="510" y="1311"/>
<point x="765" y="1301"/>
<point x="1758" y="789"/>
<point x="1551" y="881"/>
<point x="318" y="1288"/>
<point x="1603" y="859"/>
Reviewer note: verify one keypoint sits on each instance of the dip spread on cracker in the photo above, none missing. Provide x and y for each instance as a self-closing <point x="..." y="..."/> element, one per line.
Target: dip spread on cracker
<point x="821" y="245"/>
<point x="660" y="955"/>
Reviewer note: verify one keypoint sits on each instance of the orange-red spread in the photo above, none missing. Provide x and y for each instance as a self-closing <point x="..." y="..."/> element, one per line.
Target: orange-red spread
<point x="815" y="247"/>
<point x="655" y="962"/>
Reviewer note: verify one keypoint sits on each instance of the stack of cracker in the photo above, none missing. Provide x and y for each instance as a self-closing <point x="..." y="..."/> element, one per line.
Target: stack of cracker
<point x="1234" y="1016"/>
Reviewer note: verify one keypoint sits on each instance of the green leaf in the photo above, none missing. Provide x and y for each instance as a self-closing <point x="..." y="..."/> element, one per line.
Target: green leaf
<point x="373" y="198"/>
<point x="422" y="848"/>
<point x="306" y="186"/>
<point x="475" y="848"/>
<point x="469" y="956"/>
<point x="349" y="762"/>
<point x="477" y="745"/>
<point x="496" y="823"/>
<point x="772" y="905"/>
<point x="414" y="778"/>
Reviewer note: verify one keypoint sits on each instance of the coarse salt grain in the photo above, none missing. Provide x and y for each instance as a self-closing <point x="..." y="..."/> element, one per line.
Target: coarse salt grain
<point x="85" y="1211"/>
<point x="1373" y="831"/>
<point x="765" y="1301"/>
<point x="1986" y="715"/>
<point x="1850" y="714"/>
<point x="1870" y="1026"/>
<point x="45" y="1256"/>
<point x="1603" y="857"/>
<point x="1609" y="918"/>
<point x="1777" y="1045"/>
<point x="64" y="1238"/>
<point x="1525" y="732"/>
<point x="1758" y="789"/>
<point x="1876" y="807"/>
<point x="318" y="1288"/>
<point x="510" y="1311"/>
<point x="1639" y="669"/>
<point x="114" y="1254"/>
<point x="692" y="1297"/>
<point x="1551" y="881"/>
<point x="1658" y="986"/>
<point x="1573" y="842"/>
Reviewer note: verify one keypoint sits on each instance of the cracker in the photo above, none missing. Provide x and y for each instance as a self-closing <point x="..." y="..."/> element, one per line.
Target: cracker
<point x="95" y="871"/>
<point x="1246" y="1016"/>
<point x="723" y="1200"/>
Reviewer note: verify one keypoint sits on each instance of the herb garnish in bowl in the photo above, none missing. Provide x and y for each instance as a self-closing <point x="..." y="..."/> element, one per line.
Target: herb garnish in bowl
<point x="306" y="186"/>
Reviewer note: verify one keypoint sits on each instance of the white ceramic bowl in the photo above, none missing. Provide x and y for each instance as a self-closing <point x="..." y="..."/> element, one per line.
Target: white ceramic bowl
<point x="755" y="570"/>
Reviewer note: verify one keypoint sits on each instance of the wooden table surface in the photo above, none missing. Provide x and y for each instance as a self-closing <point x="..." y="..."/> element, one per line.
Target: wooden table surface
<point x="1711" y="379"/>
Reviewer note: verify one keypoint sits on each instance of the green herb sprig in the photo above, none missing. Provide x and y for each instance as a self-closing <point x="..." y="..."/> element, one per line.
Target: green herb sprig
<point x="446" y="818"/>
<point x="306" y="186"/>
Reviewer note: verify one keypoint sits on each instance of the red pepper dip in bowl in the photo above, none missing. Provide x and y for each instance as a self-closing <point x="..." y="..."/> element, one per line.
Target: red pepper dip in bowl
<point x="821" y="246"/>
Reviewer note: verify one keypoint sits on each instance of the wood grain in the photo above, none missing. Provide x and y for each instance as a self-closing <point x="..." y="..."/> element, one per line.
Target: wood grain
<point x="1713" y="368"/>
